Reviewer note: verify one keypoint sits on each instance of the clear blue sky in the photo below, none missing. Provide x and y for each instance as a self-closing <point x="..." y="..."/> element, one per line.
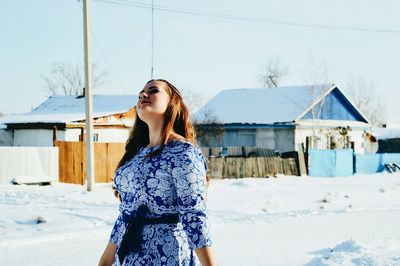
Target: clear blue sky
<point x="200" y="52"/>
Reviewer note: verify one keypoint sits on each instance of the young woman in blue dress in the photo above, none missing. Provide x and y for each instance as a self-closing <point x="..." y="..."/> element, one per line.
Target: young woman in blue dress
<point x="161" y="182"/>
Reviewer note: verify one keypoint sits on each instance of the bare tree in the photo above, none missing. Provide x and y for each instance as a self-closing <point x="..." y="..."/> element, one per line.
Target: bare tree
<point x="209" y="130"/>
<point x="273" y="72"/>
<point x="316" y="73"/>
<point x="65" y="79"/>
<point x="1" y="114"/>
<point x="366" y="98"/>
<point x="193" y="99"/>
<point x="315" y="70"/>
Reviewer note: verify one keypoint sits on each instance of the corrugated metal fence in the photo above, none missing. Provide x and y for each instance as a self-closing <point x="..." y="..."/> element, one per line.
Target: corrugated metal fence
<point x="39" y="163"/>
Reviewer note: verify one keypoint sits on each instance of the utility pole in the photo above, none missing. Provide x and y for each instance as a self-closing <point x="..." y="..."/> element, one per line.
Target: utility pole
<point x="88" y="98"/>
<point x="152" y="39"/>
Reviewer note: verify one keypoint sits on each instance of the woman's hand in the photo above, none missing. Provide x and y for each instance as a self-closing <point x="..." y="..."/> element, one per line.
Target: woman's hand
<point x="206" y="256"/>
<point x="107" y="258"/>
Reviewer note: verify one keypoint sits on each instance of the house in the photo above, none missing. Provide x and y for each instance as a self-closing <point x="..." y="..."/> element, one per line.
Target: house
<point x="63" y="117"/>
<point x="318" y="116"/>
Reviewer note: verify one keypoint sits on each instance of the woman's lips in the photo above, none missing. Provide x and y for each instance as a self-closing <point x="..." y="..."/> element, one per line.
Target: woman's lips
<point x="144" y="102"/>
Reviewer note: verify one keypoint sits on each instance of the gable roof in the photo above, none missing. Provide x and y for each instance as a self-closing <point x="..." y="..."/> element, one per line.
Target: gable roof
<point x="269" y="105"/>
<point x="64" y="109"/>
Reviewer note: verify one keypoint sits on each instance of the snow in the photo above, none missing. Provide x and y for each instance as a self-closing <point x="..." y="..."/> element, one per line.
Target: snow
<point x="263" y="105"/>
<point x="386" y="133"/>
<point x="61" y="109"/>
<point x="266" y="221"/>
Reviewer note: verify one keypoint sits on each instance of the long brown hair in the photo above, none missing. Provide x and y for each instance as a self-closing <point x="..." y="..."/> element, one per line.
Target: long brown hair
<point x="176" y="120"/>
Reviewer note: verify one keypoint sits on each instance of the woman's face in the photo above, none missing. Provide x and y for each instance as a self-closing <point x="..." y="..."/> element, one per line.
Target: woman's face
<point x="153" y="101"/>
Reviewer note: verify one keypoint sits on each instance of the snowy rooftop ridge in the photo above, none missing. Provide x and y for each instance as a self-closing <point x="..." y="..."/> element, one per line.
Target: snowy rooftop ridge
<point x="264" y="105"/>
<point x="62" y="109"/>
<point x="386" y="133"/>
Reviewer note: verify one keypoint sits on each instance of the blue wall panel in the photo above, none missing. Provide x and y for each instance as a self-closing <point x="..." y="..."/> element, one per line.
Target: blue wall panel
<point x="373" y="163"/>
<point x="330" y="163"/>
<point x="344" y="162"/>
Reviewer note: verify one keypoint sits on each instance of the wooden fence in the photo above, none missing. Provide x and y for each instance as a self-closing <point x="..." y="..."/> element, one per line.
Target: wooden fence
<point x="72" y="161"/>
<point x="231" y="167"/>
<point x="238" y="151"/>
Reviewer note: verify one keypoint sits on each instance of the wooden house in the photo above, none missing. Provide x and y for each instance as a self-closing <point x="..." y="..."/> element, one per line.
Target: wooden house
<point x="63" y="117"/>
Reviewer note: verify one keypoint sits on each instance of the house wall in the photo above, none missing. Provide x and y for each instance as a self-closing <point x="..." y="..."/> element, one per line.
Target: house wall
<point x="104" y="134"/>
<point x="305" y="129"/>
<point x="112" y="134"/>
<point x="6" y="137"/>
<point x="70" y="134"/>
<point x="33" y="137"/>
<point x="285" y="139"/>
<point x="281" y="139"/>
<point x="44" y="137"/>
<point x="239" y="137"/>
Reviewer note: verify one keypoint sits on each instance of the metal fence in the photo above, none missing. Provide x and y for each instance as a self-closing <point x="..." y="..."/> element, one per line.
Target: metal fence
<point x="389" y="146"/>
<point x="36" y="164"/>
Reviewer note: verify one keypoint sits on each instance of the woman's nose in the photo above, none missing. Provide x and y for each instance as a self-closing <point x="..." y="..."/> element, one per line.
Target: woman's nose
<point x="143" y="95"/>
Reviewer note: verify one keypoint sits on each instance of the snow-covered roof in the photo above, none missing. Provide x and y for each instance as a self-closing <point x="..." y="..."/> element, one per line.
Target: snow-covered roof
<point x="3" y="126"/>
<point x="264" y="105"/>
<point x="386" y="133"/>
<point x="63" y="109"/>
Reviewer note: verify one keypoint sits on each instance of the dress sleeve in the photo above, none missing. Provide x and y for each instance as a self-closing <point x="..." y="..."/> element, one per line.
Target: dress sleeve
<point x="189" y="175"/>
<point x="118" y="230"/>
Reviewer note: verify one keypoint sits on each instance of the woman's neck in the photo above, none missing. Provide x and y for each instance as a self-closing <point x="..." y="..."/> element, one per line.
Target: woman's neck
<point x="155" y="133"/>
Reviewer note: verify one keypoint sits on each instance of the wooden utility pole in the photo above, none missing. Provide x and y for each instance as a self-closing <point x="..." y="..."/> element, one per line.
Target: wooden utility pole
<point x="152" y="39"/>
<point x="88" y="98"/>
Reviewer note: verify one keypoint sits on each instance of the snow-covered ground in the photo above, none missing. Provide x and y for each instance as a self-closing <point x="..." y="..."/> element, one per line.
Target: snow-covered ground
<point x="276" y="221"/>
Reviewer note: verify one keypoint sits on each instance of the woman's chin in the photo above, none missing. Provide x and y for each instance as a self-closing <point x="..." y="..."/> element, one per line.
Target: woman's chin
<point x="148" y="115"/>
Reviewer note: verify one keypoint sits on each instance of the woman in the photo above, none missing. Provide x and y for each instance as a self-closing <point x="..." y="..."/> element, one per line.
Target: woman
<point x="161" y="181"/>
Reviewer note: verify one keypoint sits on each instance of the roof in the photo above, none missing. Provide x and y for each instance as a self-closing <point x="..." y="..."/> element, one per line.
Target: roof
<point x="64" y="109"/>
<point x="386" y="133"/>
<point x="266" y="105"/>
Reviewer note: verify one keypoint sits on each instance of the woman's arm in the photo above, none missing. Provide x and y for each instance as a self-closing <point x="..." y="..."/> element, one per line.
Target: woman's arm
<point x="206" y="256"/>
<point x="107" y="258"/>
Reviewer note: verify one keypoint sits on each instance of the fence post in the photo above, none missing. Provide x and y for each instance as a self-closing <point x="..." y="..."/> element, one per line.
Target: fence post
<point x="54" y="136"/>
<point x="302" y="161"/>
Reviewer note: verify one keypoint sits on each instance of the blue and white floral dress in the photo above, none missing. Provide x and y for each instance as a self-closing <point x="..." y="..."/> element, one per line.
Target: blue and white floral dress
<point x="172" y="182"/>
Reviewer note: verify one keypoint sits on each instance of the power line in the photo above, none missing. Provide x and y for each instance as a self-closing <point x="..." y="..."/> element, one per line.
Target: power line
<point x="103" y="53"/>
<point x="246" y="19"/>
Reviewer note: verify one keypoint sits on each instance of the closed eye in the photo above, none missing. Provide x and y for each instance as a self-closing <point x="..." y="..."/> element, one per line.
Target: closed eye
<point x="153" y="90"/>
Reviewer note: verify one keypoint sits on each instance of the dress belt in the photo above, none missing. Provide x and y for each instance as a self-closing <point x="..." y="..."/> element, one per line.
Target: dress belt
<point x="132" y="238"/>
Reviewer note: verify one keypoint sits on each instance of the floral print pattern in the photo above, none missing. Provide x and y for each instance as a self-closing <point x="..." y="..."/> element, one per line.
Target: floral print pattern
<point x="172" y="182"/>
